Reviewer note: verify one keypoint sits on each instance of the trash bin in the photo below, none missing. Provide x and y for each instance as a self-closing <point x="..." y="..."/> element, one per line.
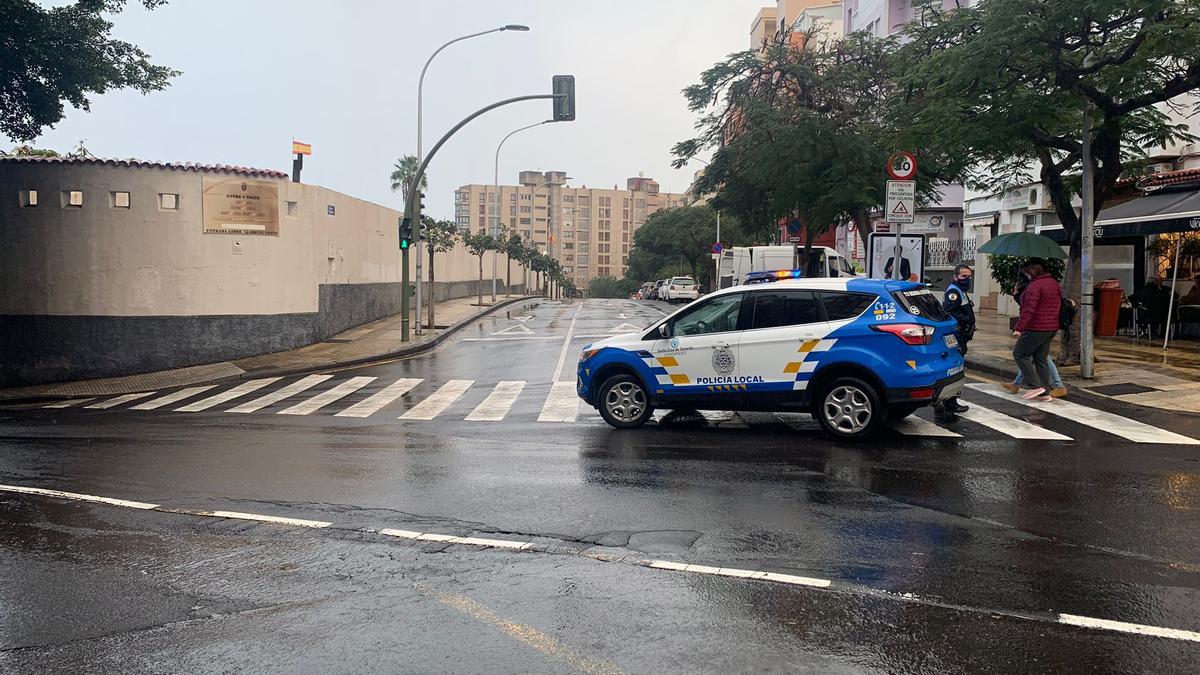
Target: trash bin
<point x="1108" y="307"/>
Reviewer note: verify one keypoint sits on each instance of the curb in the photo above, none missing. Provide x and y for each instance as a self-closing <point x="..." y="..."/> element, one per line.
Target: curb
<point x="284" y="371"/>
<point x="396" y="354"/>
<point x="991" y="367"/>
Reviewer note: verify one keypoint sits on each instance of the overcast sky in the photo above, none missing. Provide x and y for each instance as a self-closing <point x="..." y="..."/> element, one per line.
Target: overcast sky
<point x="343" y="77"/>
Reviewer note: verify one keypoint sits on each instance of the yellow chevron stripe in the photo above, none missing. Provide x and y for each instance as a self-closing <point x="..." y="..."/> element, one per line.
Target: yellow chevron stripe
<point x="808" y="345"/>
<point x="680" y="379"/>
<point x="668" y="361"/>
<point x="793" y="367"/>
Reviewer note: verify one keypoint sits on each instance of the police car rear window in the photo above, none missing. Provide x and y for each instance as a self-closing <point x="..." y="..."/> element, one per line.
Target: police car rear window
<point x="841" y="306"/>
<point x="921" y="302"/>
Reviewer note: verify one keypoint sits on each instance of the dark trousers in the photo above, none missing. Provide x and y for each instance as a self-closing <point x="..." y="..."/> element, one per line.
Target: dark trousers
<point x="1030" y="353"/>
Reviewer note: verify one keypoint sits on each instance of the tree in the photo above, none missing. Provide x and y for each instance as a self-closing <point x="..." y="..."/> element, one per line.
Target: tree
<point x="439" y="236"/>
<point x="478" y="245"/>
<point x="686" y="232"/>
<point x="610" y="287"/>
<point x="403" y="172"/>
<point x="1005" y="85"/>
<point x="514" y="248"/>
<point x="53" y="56"/>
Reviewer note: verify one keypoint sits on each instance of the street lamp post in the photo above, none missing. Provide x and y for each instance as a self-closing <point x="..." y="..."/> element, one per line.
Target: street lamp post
<point x="495" y="230"/>
<point x="420" y="149"/>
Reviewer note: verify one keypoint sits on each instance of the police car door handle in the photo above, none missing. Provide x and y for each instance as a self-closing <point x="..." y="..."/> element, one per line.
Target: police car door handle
<point x="720" y="345"/>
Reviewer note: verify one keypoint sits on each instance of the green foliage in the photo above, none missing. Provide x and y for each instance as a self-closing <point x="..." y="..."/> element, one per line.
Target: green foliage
<point x="686" y="233"/>
<point x="439" y="236"/>
<point x="53" y="56"/>
<point x="610" y="287"/>
<point x="1006" y="270"/>
<point x="478" y="244"/>
<point x="403" y="172"/>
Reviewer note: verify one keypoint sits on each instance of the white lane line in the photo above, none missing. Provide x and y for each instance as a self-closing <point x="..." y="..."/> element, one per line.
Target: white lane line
<point x="562" y="355"/>
<point x="1123" y="627"/>
<point x="279" y="520"/>
<point x="915" y="426"/>
<point x="724" y="418"/>
<point x="172" y="398"/>
<point x="438" y="401"/>
<point x="757" y="575"/>
<point x="373" y="403"/>
<point x="118" y="400"/>
<point x="511" y="339"/>
<point x="75" y="496"/>
<point x="69" y="402"/>
<point x="328" y="396"/>
<point x="562" y="405"/>
<point x="280" y="394"/>
<point x="1011" y="426"/>
<point x="226" y="396"/>
<point x="498" y="403"/>
<point x="1097" y="419"/>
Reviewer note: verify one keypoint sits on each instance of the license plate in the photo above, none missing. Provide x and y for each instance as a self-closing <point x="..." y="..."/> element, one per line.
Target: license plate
<point x="952" y="341"/>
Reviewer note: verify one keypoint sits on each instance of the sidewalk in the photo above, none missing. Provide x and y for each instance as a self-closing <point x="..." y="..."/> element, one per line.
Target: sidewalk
<point x="370" y="342"/>
<point x="1134" y="371"/>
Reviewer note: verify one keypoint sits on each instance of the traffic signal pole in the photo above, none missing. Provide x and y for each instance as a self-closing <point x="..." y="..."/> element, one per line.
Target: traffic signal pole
<point x="564" y="110"/>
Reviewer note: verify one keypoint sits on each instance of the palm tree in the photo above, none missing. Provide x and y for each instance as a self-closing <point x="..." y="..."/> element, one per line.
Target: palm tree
<point x="402" y="174"/>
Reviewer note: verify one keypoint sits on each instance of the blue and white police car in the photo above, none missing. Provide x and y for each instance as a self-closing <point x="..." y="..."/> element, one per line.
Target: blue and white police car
<point x="852" y="352"/>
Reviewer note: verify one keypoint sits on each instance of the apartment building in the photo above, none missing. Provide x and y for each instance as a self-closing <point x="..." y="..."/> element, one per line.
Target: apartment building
<point x="885" y="17"/>
<point x="588" y="230"/>
<point x="803" y="16"/>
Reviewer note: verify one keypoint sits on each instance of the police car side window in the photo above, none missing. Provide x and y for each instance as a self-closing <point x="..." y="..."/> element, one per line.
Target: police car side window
<point x="718" y="315"/>
<point x="840" y="306"/>
<point x="785" y="308"/>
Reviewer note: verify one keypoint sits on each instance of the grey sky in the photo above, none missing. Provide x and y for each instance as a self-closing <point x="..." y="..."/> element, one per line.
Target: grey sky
<point x="343" y="77"/>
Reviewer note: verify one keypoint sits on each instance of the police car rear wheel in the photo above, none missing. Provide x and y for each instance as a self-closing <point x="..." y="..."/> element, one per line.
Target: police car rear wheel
<point x="850" y="409"/>
<point x="623" y="402"/>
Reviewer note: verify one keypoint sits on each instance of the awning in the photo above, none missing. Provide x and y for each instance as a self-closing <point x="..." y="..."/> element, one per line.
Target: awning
<point x="1153" y="214"/>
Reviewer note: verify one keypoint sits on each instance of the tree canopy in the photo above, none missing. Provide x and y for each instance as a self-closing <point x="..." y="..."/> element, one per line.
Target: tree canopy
<point x="684" y="234"/>
<point x="53" y="56"/>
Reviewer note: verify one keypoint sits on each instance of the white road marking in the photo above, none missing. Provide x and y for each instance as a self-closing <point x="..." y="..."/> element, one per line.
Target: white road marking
<point x="625" y="328"/>
<point x="515" y="329"/>
<point x="379" y="399"/>
<point x="326" y="397"/>
<point x="75" y="496"/>
<point x="562" y="355"/>
<point x="438" y="401"/>
<point x="756" y="575"/>
<point x="1096" y="419"/>
<point x="1123" y="627"/>
<point x="1011" y="426"/>
<point x="522" y="319"/>
<point x="172" y="398"/>
<point x="226" y="396"/>
<point x="69" y="402"/>
<point x="725" y="418"/>
<point x="915" y="426"/>
<point x="238" y="515"/>
<point x="498" y="403"/>
<point x="280" y="394"/>
<point x="562" y="405"/>
<point x="118" y="400"/>
<point x="511" y="339"/>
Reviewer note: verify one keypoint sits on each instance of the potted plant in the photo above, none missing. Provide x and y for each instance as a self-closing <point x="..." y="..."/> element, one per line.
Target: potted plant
<point x="1006" y="271"/>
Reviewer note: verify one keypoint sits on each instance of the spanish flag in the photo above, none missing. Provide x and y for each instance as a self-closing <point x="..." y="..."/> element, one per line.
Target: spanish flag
<point x="299" y="148"/>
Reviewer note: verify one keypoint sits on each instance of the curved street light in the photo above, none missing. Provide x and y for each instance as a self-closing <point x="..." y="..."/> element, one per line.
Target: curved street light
<point x="420" y="150"/>
<point x="494" y="228"/>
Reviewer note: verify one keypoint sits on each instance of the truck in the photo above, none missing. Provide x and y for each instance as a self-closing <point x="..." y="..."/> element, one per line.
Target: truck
<point x="738" y="261"/>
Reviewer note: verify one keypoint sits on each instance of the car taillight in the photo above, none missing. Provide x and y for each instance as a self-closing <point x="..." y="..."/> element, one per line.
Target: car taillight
<point x="911" y="333"/>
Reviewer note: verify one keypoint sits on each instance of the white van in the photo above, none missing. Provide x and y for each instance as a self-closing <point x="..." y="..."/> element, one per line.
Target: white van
<point x="736" y="262"/>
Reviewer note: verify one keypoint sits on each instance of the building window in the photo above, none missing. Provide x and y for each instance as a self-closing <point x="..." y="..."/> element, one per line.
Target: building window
<point x="73" y="199"/>
<point x="28" y="199"/>
<point x="567" y="245"/>
<point x="293" y="208"/>
<point x="525" y="221"/>
<point x="168" y="201"/>
<point x="120" y="200"/>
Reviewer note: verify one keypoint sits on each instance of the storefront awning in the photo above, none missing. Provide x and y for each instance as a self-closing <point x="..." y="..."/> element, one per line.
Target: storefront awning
<point x="1153" y="214"/>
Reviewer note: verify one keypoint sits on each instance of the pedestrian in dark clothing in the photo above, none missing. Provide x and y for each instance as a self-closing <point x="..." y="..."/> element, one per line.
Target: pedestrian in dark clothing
<point x="958" y="304"/>
<point x="1039" y="321"/>
<point x="1153" y="302"/>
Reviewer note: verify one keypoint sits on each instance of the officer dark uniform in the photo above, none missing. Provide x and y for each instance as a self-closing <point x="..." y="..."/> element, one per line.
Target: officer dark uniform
<point x="958" y="304"/>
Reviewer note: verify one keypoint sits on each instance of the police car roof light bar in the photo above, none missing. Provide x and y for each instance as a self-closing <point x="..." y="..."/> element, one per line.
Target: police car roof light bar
<point x="773" y="275"/>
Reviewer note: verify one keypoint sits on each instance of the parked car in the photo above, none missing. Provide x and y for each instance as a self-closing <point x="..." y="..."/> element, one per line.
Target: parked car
<point x="658" y="286"/>
<point x="680" y="289"/>
<point x="645" y="290"/>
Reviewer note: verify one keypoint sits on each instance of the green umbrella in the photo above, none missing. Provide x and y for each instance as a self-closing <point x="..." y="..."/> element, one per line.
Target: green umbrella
<point x="1024" y="245"/>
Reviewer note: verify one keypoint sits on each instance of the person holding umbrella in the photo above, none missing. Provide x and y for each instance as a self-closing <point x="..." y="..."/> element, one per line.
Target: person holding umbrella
<point x="1041" y="304"/>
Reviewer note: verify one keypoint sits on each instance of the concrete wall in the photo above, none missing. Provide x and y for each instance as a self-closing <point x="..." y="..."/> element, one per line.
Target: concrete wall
<point x="96" y="290"/>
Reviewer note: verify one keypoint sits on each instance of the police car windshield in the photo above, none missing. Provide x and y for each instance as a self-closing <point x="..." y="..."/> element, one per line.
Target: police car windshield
<point x="922" y="302"/>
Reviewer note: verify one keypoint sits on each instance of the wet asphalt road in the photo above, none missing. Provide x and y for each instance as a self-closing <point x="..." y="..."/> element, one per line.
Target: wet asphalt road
<point x="946" y="554"/>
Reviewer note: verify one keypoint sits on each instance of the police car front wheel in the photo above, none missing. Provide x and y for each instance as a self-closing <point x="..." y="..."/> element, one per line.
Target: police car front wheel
<point x="849" y="408"/>
<point x="624" y="403"/>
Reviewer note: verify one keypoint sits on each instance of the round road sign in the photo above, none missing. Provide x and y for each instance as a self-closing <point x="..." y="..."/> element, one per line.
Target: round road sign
<point x="902" y="166"/>
<point x="718" y="247"/>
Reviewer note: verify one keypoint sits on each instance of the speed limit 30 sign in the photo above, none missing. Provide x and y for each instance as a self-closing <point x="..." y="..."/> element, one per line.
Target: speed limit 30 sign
<point x="902" y="166"/>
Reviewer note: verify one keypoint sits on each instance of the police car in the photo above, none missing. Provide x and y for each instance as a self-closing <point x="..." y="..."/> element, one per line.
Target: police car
<point x="852" y="352"/>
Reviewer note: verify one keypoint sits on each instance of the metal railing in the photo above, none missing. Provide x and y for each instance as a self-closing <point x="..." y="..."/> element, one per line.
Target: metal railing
<point x="950" y="252"/>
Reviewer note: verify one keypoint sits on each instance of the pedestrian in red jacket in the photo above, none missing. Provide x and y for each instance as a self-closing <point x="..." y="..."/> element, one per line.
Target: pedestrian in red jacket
<point x="1035" y="330"/>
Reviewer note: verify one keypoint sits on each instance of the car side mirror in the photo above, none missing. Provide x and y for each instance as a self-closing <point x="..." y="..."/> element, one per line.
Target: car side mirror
<point x="665" y="330"/>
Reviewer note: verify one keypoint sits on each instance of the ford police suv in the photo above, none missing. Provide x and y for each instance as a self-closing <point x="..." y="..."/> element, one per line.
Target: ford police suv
<point x="852" y="352"/>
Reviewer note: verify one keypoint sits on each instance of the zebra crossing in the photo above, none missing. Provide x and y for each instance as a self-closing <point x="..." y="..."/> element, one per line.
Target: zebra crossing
<point x="417" y="400"/>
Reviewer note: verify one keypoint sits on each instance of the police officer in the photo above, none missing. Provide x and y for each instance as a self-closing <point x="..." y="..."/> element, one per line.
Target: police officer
<point x="958" y="304"/>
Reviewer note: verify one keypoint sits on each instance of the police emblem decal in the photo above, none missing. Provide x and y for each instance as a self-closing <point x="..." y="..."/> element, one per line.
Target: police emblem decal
<point x="723" y="361"/>
<point x="674" y="343"/>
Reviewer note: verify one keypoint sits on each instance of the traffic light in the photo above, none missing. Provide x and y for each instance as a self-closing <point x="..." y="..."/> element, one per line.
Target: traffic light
<point x="406" y="233"/>
<point x="564" y="98"/>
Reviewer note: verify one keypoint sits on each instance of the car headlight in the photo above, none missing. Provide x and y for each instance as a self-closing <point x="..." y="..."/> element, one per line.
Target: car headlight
<point x="587" y="353"/>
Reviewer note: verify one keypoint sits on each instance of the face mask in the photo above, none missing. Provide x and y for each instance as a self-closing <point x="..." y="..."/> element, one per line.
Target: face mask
<point x="964" y="283"/>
